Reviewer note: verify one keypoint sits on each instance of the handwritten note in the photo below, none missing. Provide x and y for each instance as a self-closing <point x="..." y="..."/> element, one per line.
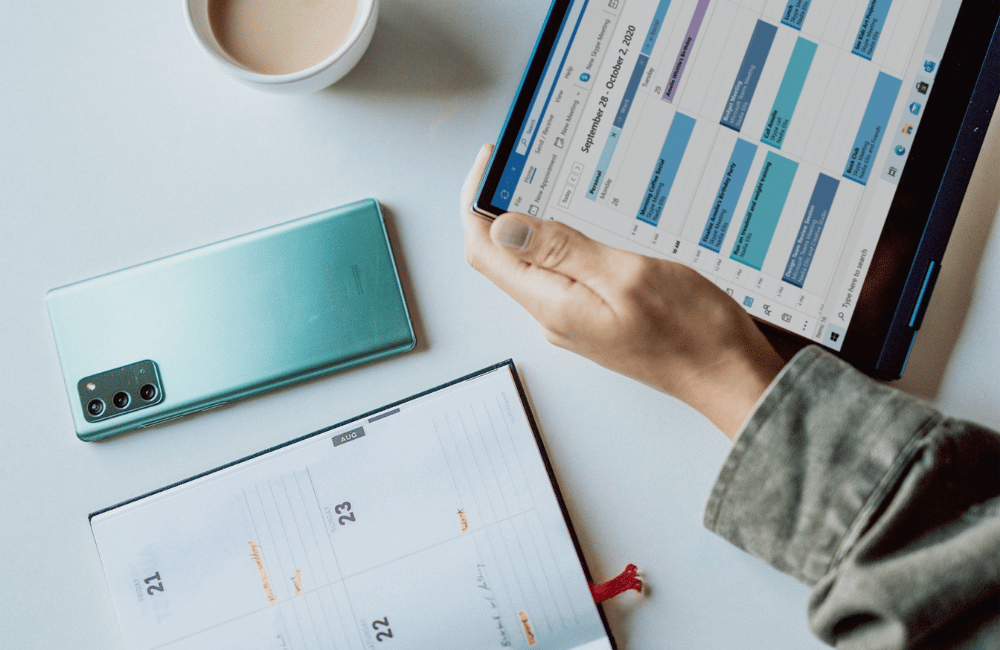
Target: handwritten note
<point x="262" y="570"/>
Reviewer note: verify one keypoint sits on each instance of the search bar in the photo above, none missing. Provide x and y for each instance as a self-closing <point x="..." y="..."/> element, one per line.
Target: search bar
<point x="551" y="76"/>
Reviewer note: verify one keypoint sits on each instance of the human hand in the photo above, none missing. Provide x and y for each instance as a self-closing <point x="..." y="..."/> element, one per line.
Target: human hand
<point x="654" y="320"/>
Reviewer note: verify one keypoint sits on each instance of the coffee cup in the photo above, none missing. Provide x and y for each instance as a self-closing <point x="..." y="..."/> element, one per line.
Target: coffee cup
<point x="283" y="45"/>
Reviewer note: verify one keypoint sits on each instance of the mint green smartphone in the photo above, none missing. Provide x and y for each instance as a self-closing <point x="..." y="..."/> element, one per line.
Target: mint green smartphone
<point x="232" y="319"/>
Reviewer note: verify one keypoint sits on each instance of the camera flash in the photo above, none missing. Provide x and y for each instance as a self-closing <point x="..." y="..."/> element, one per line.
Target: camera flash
<point x="91" y="386"/>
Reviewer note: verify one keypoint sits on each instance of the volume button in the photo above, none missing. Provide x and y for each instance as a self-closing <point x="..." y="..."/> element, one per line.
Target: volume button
<point x="156" y="422"/>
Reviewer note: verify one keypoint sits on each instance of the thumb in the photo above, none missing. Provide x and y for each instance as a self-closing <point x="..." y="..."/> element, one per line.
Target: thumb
<point x="555" y="247"/>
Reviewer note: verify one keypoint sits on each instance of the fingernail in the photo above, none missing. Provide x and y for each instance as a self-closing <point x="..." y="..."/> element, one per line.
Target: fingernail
<point x="514" y="234"/>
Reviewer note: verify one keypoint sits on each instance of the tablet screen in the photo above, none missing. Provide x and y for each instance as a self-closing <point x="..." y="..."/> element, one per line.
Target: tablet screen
<point x="761" y="142"/>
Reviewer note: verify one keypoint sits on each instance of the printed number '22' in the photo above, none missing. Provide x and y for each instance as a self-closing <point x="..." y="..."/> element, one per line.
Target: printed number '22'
<point x="157" y="587"/>
<point x="387" y="633"/>
<point x="344" y="507"/>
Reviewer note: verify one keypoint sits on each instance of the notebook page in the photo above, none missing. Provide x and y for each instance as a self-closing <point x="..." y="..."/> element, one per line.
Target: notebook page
<point x="431" y="524"/>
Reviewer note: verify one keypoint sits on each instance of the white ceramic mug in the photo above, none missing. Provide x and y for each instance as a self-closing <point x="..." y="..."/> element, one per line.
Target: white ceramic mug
<point x="314" y="77"/>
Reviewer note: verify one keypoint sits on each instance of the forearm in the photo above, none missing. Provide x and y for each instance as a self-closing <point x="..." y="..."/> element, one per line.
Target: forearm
<point x="885" y="507"/>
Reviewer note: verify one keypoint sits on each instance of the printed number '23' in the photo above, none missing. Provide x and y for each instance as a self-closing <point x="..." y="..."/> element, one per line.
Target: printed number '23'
<point x="344" y="507"/>
<point x="386" y="633"/>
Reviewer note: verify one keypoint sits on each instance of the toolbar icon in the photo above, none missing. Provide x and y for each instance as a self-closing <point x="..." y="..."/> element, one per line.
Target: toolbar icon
<point x="922" y="87"/>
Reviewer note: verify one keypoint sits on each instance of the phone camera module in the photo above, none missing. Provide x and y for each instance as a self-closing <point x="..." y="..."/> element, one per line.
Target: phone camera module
<point x="120" y="400"/>
<point x="120" y="391"/>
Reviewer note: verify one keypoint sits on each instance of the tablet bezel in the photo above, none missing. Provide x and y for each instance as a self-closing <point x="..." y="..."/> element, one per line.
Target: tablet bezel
<point x="908" y="256"/>
<point x="519" y="108"/>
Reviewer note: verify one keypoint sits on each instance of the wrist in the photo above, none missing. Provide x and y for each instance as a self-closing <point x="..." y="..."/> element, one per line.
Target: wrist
<point x="727" y="392"/>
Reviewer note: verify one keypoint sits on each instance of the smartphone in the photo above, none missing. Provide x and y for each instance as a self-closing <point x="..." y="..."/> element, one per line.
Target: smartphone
<point x="229" y="320"/>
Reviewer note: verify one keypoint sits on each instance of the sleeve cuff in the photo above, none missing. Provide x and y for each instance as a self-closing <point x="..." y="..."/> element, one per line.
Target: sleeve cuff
<point x="813" y="462"/>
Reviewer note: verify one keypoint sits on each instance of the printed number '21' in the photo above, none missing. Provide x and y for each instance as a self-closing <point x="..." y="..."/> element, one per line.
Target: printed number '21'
<point x="344" y="507"/>
<point x="387" y="632"/>
<point x="157" y="587"/>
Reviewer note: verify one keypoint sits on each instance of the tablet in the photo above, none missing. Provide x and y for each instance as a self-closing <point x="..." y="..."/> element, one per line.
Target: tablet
<point x="808" y="156"/>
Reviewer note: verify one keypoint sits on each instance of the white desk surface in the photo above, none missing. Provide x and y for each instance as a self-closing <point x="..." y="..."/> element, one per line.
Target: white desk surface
<point x="120" y="143"/>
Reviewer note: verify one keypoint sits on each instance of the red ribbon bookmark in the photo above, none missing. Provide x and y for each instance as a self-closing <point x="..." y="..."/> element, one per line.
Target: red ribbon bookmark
<point x="628" y="579"/>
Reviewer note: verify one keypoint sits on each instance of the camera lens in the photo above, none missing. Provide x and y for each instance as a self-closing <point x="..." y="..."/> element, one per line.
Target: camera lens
<point x="147" y="392"/>
<point x="95" y="407"/>
<point x="120" y="400"/>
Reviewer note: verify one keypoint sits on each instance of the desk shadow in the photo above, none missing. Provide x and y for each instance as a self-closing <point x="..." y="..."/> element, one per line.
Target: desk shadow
<point x="956" y="285"/>
<point x="405" y="280"/>
<point x="412" y="55"/>
<point x="616" y="610"/>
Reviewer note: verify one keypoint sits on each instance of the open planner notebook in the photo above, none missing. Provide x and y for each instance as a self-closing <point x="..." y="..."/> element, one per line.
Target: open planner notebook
<point x="432" y="523"/>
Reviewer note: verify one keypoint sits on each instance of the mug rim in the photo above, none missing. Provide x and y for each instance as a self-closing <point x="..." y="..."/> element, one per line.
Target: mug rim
<point x="366" y="6"/>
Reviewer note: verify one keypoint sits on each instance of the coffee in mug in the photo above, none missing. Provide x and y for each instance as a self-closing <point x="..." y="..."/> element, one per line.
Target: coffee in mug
<point x="281" y="36"/>
<point x="284" y="45"/>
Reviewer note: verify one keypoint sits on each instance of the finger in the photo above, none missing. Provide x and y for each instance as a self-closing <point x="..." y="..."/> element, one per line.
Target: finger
<point x="559" y="248"/>
<point x="561" y="304"/>
<point x="480" y="252"/>
<point x="476" y="227"/>
<point x="548" y="296"/>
